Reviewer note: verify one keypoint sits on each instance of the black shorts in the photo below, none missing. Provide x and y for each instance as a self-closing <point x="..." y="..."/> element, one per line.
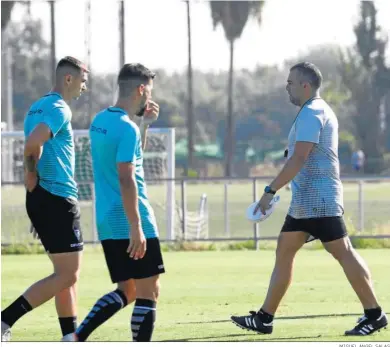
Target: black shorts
<point x="56" y="221"/>
<point x="324" y="228"/>
<point x="123" y="268"/>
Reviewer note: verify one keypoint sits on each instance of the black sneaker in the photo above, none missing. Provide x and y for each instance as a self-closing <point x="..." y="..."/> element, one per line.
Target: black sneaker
<point x="252" y="322"/>
<point x="368" y="326"/>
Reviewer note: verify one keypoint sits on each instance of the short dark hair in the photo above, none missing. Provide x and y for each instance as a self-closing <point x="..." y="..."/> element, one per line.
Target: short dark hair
<point x="71" y="62"/>
<point x="310" y="73"/>
<point x="132" y="75"/>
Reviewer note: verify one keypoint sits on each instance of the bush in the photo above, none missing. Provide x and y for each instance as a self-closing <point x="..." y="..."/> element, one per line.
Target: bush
<point x="21" y="248"/>
<point x="182" y="245"/>
<point x="358" y="242"/>
<point x="188" y="246"/>
<point x="237" y="246"/>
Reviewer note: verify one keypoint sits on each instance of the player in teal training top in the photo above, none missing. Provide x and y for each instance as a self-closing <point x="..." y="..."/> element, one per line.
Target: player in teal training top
<point x="126" y="223"/>
<point x="51" y="197"/>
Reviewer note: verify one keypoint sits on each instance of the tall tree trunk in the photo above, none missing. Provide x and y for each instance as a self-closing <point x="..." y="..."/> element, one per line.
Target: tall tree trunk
<point x="122" y="33"/>
<point x="230" y="134"/>
<point x="53" y="41"/>
<point x="190" y="113"/>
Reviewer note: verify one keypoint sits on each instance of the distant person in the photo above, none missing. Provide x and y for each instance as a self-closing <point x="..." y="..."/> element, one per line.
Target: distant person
<point x="357" y="160"/>
<point x="316" y="207"/>
<point x="51" y="198"/>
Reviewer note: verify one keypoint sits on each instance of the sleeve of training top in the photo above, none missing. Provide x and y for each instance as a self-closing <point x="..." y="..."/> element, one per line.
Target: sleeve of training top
<point x="56" y="118"/>
<point x="309" y="126"/>
<point x="128" y="144"/>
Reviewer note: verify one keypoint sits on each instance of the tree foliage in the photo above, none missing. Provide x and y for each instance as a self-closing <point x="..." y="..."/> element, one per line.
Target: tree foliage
<point x="263" y="111"/>
<point x="233" y="16"/>
<point x="365" y="74"/>
<point x="6" y="10"/>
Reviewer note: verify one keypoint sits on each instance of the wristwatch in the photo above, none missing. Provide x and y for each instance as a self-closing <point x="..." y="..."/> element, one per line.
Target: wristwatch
<point x="268" y="190"/>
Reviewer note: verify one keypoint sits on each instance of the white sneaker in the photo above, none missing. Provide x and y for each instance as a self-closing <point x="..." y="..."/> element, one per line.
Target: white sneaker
<point x="69" y="338"/>
<point x="5" y="332"/>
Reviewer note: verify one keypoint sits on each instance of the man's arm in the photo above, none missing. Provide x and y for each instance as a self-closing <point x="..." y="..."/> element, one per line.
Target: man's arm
<point x="150" y="116"/>
<point x="129" y="192"/>
<point x="293" y="165"/>
<point x="33" y="147"/>
<point x="143" y="130"/>
<point x="126" y="159"/>
<point x="52" y="123"/>
<point x="308" y="130"/>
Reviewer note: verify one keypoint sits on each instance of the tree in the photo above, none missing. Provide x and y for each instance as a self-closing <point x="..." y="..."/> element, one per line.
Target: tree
<point x="233" y="16"/>
<point x="31" y="69"/>
<point x="32" y="75"/>
<point x="365" y="74"/>
<point x="190" y="108"/>
<point x="6" y="10"/>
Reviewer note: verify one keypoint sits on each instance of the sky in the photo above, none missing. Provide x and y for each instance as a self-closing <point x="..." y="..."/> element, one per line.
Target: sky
<point x="156" y="32"/>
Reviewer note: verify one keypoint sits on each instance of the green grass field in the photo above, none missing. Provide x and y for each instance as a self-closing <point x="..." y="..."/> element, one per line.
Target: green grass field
<point x="376" y="209"/>
<point x="202" y="289"/>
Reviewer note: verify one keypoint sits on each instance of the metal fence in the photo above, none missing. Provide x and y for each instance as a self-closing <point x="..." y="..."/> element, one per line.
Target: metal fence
<point x="222" y="215"/>
<point x="366" y="202"/>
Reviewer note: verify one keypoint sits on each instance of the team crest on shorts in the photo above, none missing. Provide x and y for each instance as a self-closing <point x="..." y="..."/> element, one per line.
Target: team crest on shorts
<point x="77" y="233"/>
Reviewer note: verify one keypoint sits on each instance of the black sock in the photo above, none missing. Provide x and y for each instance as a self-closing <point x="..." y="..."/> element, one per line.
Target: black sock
<point x="142" y="320"/>
<point x="104" y="309"/>
<point x="373" y="313"/>
<point x="265" y="317"/>
<point x="15" y="311"/>
<point x="68" y="325"/>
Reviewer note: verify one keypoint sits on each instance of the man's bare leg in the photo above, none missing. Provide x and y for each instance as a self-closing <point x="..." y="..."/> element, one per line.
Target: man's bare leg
<point x="66" y="305"/>
<point x="66" y="270"/>
<point x="288" y="245"/>
<point x="358" y="275"/>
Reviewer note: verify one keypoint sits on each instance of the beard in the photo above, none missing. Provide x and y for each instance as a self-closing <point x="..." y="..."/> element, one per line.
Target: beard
<point x="294" y="101"/>
<point x="141" y="112"/>
<point x="142" y="109"/>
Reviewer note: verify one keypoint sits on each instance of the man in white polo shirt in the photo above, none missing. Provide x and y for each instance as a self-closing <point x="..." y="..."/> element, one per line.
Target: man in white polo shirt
<point x="316" y="207"/>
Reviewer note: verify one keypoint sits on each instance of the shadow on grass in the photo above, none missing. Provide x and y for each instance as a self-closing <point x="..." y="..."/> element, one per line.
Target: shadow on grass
<point x="221" y="338"/>
<point x="262" y="337"/>
<point x="284" y="318"/>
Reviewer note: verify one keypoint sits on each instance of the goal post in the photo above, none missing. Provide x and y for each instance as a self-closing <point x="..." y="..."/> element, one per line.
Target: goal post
<point x="159" y="167"/>
<point x="169" y="143"/>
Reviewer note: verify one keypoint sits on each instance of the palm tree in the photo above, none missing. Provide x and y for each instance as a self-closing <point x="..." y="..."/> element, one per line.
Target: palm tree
<point x="233" y="16"/>
<point x="190" y="113"/>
